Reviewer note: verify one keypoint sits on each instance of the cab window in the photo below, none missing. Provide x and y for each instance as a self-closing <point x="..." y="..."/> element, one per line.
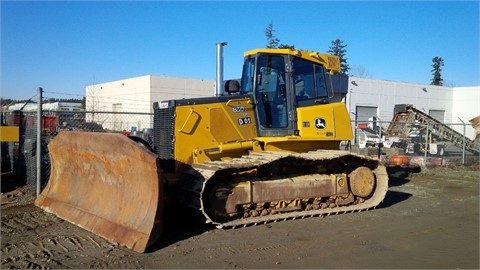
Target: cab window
<point x="309" y="80"/>
<point x="247" y="76"/>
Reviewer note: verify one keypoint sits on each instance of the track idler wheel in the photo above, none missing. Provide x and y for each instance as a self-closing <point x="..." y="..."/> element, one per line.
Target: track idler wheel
<point x="362" y="182"/>
<point x="218" y="198"/>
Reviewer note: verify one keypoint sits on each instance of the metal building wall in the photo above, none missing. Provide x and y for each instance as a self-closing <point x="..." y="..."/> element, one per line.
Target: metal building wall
<point x="457" y="103"/>
<point x="138" y="95"/>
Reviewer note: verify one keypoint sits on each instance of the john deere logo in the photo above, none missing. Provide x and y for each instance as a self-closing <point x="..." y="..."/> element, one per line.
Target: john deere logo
<point x="320" y="123"/>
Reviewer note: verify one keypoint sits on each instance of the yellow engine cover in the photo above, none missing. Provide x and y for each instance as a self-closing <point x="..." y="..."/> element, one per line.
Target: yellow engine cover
<point x="201" y="128"/>
<point x="328" y="122"/>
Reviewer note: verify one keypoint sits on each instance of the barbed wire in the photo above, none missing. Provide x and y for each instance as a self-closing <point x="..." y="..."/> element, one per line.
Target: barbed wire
<point x="65" y="94"/>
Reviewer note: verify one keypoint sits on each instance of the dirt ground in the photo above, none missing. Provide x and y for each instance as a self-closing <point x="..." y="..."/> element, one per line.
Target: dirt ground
<point x="429" y="220"/>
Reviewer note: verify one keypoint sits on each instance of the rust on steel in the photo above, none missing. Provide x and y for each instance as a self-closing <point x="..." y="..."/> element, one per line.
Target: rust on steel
<point x="369" y="178"/>
<point x="306" y="186"/>
<point x="106" y="184"/>
<point x="362" y="181"/>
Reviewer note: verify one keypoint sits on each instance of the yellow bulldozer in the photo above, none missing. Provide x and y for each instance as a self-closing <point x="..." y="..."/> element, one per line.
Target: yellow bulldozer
<point x="266" y="149"/>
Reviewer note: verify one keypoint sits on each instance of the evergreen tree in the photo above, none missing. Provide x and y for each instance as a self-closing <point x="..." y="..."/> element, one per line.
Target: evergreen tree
<point x="286" y="46"/>
<point x="437" y="71"/>
<point x="338" y="48"/>
<point x="272" y="40"/>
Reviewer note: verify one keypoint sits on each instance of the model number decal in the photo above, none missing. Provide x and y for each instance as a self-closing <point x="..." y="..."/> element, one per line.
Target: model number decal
<point x="239" y="109"/>
<point x="244" y="121"/>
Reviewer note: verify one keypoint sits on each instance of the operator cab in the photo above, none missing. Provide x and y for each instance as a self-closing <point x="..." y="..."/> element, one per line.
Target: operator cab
<point x="280" y="83"/>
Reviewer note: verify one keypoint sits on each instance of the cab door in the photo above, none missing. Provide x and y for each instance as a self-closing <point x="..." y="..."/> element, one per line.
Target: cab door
<point x="274" y="109"/>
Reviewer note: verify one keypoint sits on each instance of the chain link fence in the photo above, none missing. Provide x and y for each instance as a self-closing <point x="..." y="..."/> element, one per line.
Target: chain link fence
<point x="426" y="145"/>
<point x="20" y="158"/>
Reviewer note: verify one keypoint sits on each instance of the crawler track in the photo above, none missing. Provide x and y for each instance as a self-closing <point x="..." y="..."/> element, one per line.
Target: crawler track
<point x="265" y="165"/>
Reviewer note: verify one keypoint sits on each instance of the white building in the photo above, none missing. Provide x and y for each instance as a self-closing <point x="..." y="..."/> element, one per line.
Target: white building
<point x="137" y="95"/>
<point x="54" y="106"/>
<point x="365" y="98"/>
<point x="450" y="105"/>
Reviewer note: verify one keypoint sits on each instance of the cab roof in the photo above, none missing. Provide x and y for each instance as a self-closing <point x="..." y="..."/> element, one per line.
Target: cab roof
<point x="330" y="62"/>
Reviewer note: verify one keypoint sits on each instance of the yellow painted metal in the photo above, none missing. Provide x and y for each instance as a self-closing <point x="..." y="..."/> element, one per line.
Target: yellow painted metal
<point x="218" y="131"/>
<point x="190" y="123"/>
<point x="330" y="62"/>
<point x="294" y="145"/>
<point x="9" y="134"/>
<point x="335" y="118"/>
<point x="208" y="126"/>
<point x="335" y="125"/>
<point x="235" y="146"/>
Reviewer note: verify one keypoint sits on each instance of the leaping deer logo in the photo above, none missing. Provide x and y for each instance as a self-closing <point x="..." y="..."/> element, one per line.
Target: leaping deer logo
<point x="320" y="123"/>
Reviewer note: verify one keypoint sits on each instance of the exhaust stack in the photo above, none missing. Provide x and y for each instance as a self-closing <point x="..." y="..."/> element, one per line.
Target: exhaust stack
<point x="219" y="79"/>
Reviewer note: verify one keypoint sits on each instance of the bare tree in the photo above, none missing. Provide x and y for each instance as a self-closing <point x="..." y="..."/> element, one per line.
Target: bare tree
<point x="360" y="72"/>
<point x="93" y="102"/>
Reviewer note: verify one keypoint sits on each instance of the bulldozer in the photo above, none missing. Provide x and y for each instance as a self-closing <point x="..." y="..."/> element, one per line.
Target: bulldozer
<point x="266" y="149"/>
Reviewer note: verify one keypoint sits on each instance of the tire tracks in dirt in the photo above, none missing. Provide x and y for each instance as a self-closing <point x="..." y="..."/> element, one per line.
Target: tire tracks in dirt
<point x="49" y="242"/>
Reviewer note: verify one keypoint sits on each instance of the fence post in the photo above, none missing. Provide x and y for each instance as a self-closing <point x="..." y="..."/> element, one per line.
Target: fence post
<point x="426" y="145"/>
<point x="379" y="139"/>
<point x="39" y="139"/>
<point x="463" y="144"/>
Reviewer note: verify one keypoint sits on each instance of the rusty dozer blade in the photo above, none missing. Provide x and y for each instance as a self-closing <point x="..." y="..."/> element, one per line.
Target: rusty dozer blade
<point x="106" y="184"/>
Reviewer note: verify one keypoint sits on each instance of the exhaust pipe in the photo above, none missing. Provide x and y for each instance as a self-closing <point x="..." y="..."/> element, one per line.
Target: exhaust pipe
<point x="219" y="80"/>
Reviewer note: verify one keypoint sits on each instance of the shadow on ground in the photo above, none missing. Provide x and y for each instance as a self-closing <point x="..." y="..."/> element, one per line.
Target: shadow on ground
<point x="394" y="197"/>
<point x="179" y="224"/>
<point x="9" y="182"/>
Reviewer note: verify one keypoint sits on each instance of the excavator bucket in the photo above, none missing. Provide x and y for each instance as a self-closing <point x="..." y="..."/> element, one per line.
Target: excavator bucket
<point x="106" y="184"/>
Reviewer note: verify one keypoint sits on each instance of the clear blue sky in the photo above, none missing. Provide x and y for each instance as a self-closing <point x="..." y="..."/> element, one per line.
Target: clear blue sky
<point x="65" y="46"/>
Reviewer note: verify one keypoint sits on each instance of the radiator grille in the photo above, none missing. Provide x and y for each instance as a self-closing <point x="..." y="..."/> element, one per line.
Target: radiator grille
<point x="163" y="132"/>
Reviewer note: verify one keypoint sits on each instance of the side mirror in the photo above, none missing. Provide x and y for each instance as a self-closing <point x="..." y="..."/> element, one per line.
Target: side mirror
<point x="232" y="86"/>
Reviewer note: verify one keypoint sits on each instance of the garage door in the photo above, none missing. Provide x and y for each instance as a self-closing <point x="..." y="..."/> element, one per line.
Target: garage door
<point x="362" y="113"/>
<point x="437" y="114"/>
